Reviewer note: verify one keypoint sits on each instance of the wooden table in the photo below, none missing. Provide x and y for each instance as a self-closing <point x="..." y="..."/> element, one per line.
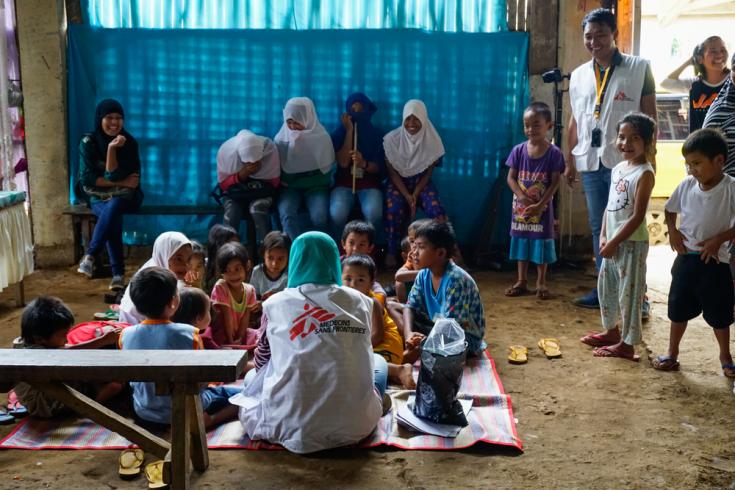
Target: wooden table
<point x="175" y="372"/>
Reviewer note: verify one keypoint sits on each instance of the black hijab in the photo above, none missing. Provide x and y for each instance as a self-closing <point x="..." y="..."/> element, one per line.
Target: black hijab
<point x="128" y="158"/>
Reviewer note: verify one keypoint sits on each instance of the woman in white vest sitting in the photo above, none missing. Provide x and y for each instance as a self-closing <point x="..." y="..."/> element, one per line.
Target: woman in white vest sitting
<point x="317" y="383"/>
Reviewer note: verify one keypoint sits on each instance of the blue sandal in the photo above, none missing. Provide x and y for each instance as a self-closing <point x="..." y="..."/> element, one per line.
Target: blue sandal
<point x="729" y="370"/>
<point x="5" y="417"/>
<point x="665" y="363"/>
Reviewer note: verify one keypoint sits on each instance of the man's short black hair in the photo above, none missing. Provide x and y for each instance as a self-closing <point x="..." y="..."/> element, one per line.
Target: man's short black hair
<point x="361" y="260"/>
<point x="439" y="235"/>
<point x="710" y="142"/>
<point x="359" y="228"/>
<point x="601" y="16"/>
<point x="193" y="304"/>
<point x="152" y="290"/>
<point x="43" y="317"/>
<point x="231" y="251"/>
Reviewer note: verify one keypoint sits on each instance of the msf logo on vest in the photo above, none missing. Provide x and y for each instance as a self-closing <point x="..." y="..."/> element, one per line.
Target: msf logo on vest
<point x="308" y="321"/>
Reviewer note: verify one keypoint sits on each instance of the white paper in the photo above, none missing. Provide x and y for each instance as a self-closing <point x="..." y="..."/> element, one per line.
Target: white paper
<point x="241" y="400"/>
<point x="406" y="418"/>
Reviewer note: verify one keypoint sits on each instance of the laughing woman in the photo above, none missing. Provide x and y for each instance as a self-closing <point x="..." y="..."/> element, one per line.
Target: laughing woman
<point x="109" y="176"/>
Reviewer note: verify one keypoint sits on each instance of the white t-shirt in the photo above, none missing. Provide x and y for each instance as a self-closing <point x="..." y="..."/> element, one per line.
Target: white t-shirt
<point x="621" y="199"/>
<point x="704" y="214"/>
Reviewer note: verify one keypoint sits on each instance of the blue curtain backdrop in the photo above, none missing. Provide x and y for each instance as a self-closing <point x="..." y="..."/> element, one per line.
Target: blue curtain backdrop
<point x="186" y="91"/>
<point x="434" y="15"/>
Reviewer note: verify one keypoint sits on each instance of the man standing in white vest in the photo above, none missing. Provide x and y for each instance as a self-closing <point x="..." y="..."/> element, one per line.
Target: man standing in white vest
<point x="601" y="92"/>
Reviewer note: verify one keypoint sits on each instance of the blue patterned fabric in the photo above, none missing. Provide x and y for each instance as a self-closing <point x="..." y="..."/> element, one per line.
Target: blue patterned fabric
<point x="434" y="15"/>
<point x="8" y="198"/>
<point x="186" y="91"/>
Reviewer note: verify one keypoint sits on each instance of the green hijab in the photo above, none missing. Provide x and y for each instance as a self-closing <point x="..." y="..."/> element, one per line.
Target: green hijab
<point x="314" y="259"/>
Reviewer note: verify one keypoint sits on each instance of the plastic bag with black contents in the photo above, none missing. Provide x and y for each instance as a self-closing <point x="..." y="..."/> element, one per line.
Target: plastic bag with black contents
<point x="443" y="356"/>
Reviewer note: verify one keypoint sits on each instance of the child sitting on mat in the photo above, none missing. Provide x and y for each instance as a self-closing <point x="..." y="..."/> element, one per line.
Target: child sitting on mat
<point x="195" y="266"/>
<point x="701" y="281"/>
<point x="44" y="325"/>
<point x="218" y="236"/>
<point x="358" y="272"/>
<point x="443" y="289"/>
<point x="406" y="275"/>
<point x="271" y="276"/>
<point x="358" y="237"/>
<point x="154" y="293"/>
<point x="233" y="298"/>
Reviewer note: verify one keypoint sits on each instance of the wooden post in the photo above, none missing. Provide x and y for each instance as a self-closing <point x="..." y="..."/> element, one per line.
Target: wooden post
<point x="199" y="452"/>
<point x="354" y="163"/>
<point x="176" y="466"/>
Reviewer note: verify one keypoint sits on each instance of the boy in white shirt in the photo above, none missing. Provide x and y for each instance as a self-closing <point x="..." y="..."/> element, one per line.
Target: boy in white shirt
<point x="701" y="279"/>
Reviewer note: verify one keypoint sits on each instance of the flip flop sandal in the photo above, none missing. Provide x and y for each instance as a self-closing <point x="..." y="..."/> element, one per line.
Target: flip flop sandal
<point x="5" y="417"/>
<point x="665" y="363"/>
<point x="596" y="340"/>
<point x="107" y="315"/>
<point x="516" y="290"/>
<point x="154" y="474"/>
<point x="605" y="351"/>
<point x="518" y="354"/>
<point x="551" y="347"/>
<point x="16" y="409"/>
<point x="728" y="370"/>
<point x="131" y="461"/>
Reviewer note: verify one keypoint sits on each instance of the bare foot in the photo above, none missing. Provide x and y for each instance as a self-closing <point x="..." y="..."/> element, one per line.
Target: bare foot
<point x="405" y="374"/>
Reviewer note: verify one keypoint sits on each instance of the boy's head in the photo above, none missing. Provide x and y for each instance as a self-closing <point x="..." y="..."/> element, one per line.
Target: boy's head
<point x="434" y="244"/>
<point x="358" y="272"/>
<point x="411" y="232"/>
<point x="358" y="237"/>
<point x="154" y="294"/>
<point x="537" y="121"/>
<point x="705" y="152"/>
<point x="194" y="308"/>
<point x="45" y="322"/>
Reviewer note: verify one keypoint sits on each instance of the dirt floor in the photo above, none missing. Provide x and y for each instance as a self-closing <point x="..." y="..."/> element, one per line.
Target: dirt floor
<point x="585" y="422"/>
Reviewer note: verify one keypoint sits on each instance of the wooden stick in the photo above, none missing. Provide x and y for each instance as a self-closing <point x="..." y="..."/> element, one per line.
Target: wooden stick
<point x="354" y="162"/>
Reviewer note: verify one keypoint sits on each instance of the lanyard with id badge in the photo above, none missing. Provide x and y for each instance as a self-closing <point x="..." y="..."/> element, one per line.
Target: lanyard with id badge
<point x="600" y="89"/>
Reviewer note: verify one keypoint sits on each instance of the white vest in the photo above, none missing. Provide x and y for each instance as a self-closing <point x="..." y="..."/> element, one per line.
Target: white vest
<point x="317" y="390"/>
<point x="623" y="96"/>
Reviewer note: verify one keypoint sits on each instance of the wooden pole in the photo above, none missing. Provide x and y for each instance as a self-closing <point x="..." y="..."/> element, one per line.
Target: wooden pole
<point x="354" y="162"/>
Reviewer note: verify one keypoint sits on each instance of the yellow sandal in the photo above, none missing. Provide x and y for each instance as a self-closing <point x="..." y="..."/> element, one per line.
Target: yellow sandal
<point x="130" y="462"/>
<point x="154" y="474"/>
<point x="551" y="347"/>
<point x="518" y="354"/>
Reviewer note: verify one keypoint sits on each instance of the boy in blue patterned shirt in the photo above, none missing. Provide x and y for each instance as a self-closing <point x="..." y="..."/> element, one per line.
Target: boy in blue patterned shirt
<point x="442" y="288"/>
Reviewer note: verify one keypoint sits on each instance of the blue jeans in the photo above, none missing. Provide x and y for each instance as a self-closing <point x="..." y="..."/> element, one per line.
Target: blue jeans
<point x="216" y="398"/>
<point x="342" y="202"/>
<point x="317" y="204"/>
<point x="380" y="374"/>
<point x="109" y="229"/>
<point x="596" y="190"/>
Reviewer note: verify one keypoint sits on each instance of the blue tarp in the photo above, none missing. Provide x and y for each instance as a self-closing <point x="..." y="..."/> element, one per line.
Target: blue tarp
<point x="186" y="91"/>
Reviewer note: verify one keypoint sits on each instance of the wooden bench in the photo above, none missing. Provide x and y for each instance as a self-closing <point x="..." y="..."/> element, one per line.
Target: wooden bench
<point x="175" y="372"/>
<point x="83" y="220"/>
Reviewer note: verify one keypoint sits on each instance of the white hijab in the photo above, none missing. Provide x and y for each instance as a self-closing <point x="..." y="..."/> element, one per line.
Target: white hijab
<point x="247" y="147"/>
<point x="411" y="154"/>
<point x="307" y="150"/>
<point x="165" y="246"/>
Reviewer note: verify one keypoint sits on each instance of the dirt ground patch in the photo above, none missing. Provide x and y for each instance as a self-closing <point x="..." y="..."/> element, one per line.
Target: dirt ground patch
<point x="585" y="422"/>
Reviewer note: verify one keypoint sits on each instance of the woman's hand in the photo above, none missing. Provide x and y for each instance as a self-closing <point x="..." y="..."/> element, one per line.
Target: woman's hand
<point x="117" y="141"/>
<point x="346" y="121"/>
<point x="358" y="159"/>
<point x="132" y="181"/>
<point x="411" y="200"/>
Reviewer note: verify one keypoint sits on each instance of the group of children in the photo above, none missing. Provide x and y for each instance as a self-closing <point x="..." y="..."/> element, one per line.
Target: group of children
<point x="166" y="307"/>
<point x="700" y="216"/>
